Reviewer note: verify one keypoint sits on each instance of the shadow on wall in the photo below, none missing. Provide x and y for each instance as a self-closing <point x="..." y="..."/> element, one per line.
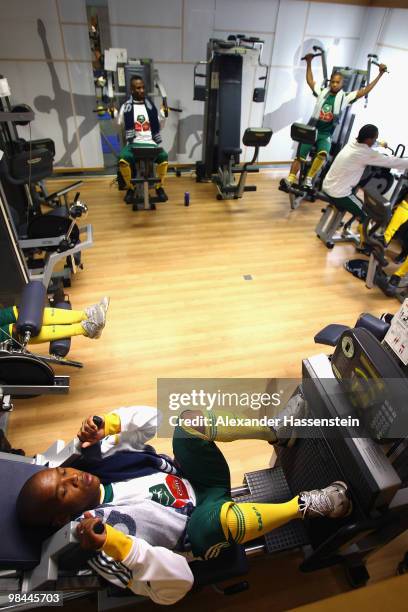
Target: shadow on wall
<point x="66" y="105"/>
<point x="192" y="125"/>
<point x="295" y="108"/>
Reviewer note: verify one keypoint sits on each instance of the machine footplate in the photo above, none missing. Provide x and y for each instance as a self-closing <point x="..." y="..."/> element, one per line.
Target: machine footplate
<point x="270" y="486"/>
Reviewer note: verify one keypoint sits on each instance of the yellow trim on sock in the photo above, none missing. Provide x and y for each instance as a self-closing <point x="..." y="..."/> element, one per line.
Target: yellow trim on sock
<point x="316" y="165"/>
<point x="292" y="177"/>
<point x="218" y="426"/>
<point x="117" y="544"/>
<point x="399" y="217"/>
<point x="161" y="171"/>
<point x="126" y="172"/>
<point x="222" y="428"/>
<point x="223" y="518"/>
<point x="403" y="269"/>
<point x="243" y="522"/>
<point x="60" y="316"/>
<point x="361" y="234"/>
<point x="57" y="332"/>
<point x="112" y="423"/>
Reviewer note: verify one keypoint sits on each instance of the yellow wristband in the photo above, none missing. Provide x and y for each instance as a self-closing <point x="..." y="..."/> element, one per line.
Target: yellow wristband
<point x="117" y="544"/>
<point x="112" y="423"/>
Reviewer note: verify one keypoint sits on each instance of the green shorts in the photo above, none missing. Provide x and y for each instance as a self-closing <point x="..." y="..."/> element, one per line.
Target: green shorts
<point x="323" y="144"/>
<point x="205" y="467"/>
<point x="351" y="204"/>
<point x="127" y="155"/>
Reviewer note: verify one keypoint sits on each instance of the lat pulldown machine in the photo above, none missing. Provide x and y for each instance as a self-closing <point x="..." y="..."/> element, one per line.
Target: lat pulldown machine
<point x="222" y="114"/>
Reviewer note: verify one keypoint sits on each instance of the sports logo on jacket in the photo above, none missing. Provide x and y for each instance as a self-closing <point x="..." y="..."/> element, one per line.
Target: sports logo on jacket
<point x="172" y="493"/>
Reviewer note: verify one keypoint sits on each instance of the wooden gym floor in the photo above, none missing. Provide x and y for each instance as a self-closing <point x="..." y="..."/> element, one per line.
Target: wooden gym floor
<point x="180" y="307"/>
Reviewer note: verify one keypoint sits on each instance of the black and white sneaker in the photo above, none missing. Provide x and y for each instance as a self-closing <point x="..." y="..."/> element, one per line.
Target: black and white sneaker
<point x="130" y="196"/>
<point x="332" y="501"/>
<point x="285" y="185"/>
<point x="161" y="194"/>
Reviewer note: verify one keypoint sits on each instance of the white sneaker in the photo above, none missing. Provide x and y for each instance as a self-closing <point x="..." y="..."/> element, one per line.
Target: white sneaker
<point x="97" y="312"/>
<point x="308" y="182"/>
<point x="332" y="501"/>
<point x="92" y="330"/>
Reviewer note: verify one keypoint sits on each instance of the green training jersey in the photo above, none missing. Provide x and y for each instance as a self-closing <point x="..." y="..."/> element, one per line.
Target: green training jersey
<point x="325" y="123"/>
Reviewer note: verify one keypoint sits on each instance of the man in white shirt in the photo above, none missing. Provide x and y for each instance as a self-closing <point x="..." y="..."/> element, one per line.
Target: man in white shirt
<point x="348" y="168"/>
<point x="141" y="121"/>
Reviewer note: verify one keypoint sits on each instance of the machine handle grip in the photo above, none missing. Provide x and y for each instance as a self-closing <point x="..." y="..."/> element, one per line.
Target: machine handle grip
<point x="97" y="421"/>
<point x="314" y="55"/>
<point x="99" y="528"/>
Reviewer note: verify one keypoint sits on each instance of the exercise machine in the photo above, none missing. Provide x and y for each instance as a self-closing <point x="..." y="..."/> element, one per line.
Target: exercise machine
<point x="380" y="211"/>
<point x="374" y="467"/>
<point x="222" y="112"/>
<point x="376" y="181"/>
<point x="353" y="79"/>
<point x="45" y="238"/>
<point x="22" y="372"/>
<point x="119" y="76"/>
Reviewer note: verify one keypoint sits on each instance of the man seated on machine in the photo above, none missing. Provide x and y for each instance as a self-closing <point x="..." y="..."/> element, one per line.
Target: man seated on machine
<point x="58" y="323"/>
<point x="153" y="509"/>
<point x="140" y="118"/>
<point x="348" y="168"/>
<point x="331" y="101"/>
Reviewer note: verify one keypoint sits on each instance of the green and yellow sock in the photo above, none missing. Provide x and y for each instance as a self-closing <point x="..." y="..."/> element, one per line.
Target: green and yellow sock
<point x="247" y="521"/>
<point x="222" y="426"/>
<point x="316" y="165"/>
<point x="402" y="270"/>
<point x="161" y="171"/>
<point x="361" y="234"/>
<point x="57" y="332"/>
<point x="126" y="172"/>
<point x="60" y="316"/>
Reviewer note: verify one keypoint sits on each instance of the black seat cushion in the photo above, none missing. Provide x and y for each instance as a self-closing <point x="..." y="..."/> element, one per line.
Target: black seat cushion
<point x="20" y="547"/>
<point x="330" y="335"/>
<point x="232" y="151"/>
<point x="146" y="152"/>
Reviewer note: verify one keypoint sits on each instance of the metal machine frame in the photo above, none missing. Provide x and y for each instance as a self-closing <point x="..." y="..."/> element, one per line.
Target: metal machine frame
<point x="222" y="113"/>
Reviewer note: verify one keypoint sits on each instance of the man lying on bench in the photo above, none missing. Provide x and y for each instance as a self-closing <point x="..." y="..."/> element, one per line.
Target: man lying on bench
<point x="142" y="512"/>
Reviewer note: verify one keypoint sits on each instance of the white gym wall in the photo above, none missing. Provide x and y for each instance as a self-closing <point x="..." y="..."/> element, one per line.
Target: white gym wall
<point x="50" y="69"/>
<point x="175" y="34"/>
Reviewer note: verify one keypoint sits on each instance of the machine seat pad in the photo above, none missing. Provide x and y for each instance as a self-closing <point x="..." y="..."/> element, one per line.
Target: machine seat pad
<point x="146" y="152"/>
<point x="330" y="335"/>
<point x="232" y="151"/>
<point x="375" y="325"/>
